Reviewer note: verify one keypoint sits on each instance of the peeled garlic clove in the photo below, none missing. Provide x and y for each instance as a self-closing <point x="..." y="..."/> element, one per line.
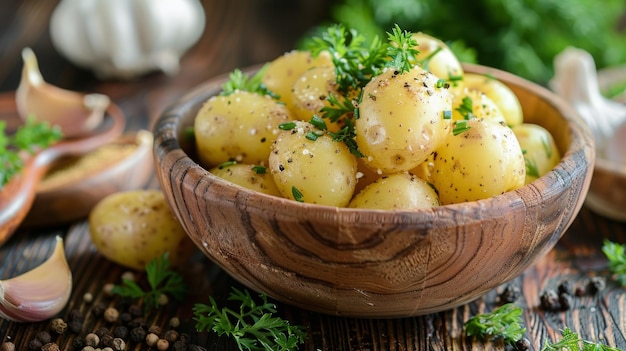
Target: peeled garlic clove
<point x="40" y="293"/>
<point x="75" y="113"/>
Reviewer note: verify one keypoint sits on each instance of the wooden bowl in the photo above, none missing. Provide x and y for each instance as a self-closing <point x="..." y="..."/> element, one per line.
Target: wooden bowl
<point x="367" y="263"/>
<point x="61" y="197"/>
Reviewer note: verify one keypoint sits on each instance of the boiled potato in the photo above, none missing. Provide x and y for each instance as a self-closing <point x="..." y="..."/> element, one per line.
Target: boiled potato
<point x="402" y="119"/>
<point x="498" y="92"/>
<point x="323" y="171"/>
<point x="311" y="91"/>
<point x="475" y="104"/>
<point x="248" y="176"/>
<point x="483" y="161"/>
<point x="399" y="191"/>
<point x="540" y="151"/>
<point x="241" y="127"/>
<point x="436" y="57"/>
<point x="283" y="72"/>
<point x="133" y="227"/>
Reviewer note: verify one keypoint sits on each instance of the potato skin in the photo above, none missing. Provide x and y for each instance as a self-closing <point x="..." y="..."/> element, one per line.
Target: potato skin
<point x="133" y="227"/>
<point x="323" y="170"/>
<point x="540" y="151"/>
<point x="241" y="127"/>
<point x="244" y="175"/>
<point x="399" y="191"/>
<point x="283" y="72"/>
<point x="401" y="119"/>
<point x="499" y="93"/>
<point x="481" y="162"/>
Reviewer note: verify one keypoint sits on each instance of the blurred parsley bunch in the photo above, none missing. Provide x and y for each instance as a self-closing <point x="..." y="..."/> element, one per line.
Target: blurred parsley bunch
<point x="519" y="36"/>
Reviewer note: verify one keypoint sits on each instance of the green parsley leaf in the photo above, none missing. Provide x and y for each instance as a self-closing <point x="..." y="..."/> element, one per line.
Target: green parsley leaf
<point x="259" y="169"/>
<point x="616" y="255"/>
<point x="161" y="279"/>
<point x="460" y="127"/>
<point x="239" y="81"/>
<point x="253" y="327"/>
<point x="572" y="342"/>
<point x="297" y="194"/>
<point x="504" y="322"/>
<point x="466" y="109"/>
<point x="226" y="164"/>
<point x="287" y="125"/>
<point x="30" y="137"/>
<point x="402" y="50"/>
<point x="318" y="122"/>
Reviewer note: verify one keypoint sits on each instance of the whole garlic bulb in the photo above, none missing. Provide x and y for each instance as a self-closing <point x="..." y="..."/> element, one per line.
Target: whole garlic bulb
<point x="126" y="38"/>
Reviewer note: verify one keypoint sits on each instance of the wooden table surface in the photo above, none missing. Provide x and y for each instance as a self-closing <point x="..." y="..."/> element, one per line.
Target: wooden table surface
<point x="239" y="33"/>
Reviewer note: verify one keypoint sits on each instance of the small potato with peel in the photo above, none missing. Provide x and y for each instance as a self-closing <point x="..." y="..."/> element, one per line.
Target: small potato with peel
<point x="133" y="227"/>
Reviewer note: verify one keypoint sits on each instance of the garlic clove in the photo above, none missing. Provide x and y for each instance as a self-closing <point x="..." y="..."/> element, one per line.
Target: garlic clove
<point x="40" y="293"/>
<point x="77" y="114"/>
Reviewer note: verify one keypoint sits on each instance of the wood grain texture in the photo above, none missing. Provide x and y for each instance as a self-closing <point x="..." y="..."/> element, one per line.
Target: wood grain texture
<point x="240" y="33"/>
<point x="384" y="264"/>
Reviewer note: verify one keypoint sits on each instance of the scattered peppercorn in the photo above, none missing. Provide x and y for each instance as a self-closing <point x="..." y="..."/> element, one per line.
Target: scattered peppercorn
<point x="92" y="339"/>
<point x="88" y="348"/>
<point x="162" y="345"/>
<point x="184" y="337"/>
<point x="522" y="344"/>
<point x="151" y="339"/>
<point x="579" y="291"/>
<point x="58" y="325"/>
<point x="106" y="340"/>
<point x="50" y="347"/>
<point x="128" y="275"/>
<point x="549" y="300"/>
<point x="138" y="334"/>
<point x="171" y="335"/>
<point x="174" y="322"/>
<point x="107" y="289"/>
<point x="111" y="314"/>
<point x="509" y="295"/>
<point x="102" y="331"/>
<point x="137" y="322"/>
<point x="78" y="343"/>
<point x="597" y="284"/>
<point x="98" y="310"/>
<point x="180" y="346"/>
<point x="76" y="326"/>
<point x="565" y="300"/>
<point x="34" y="345"/>
<point x="118" y="344"/>
<point x="125" y="318"/>
<point x="88" y="297"/>
<point x="44" y="337"/>
<point x="120" y="332"/>
<point x="565" y="287"/>
<point x="163" y="300"/>
<point x="155" y="329"/>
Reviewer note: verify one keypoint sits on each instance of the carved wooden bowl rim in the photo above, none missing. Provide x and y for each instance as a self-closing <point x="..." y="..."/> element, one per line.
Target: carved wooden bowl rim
<point x="370" y="263"/>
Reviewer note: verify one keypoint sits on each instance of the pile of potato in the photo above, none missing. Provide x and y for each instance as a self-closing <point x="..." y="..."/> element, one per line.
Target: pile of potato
<point x="423" y="144"/>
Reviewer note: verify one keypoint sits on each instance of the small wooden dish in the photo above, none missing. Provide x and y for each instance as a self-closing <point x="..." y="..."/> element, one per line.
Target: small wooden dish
<point x="607" y="193"/>
<point x="75" y="185"/>
<point x="367" y="263"/>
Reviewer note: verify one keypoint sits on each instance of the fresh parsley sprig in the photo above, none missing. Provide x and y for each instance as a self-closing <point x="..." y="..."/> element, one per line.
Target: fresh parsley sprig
<point x="30" y="137"/>
<point x="504" y="322"/>
<point x="253" y="327"/>
<point x="616" y="255"/>
<point x="239" y="81"/>
<point x="572" y="342"/>
<point x="161" y="279"/>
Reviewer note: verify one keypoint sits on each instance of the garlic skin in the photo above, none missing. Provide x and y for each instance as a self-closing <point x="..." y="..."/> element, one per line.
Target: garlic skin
<point x="126" y="38"/>
<point x="40" y="293"/>
<point x="77" y="114"/>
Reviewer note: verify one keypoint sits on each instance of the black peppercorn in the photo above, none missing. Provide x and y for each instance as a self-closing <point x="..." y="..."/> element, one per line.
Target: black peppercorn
<point x="155" y="329"/>
<point x="107" y="340"/>
<point x="34" y="345"/>
<point x="102" y="331"/>
<point x="565" y="300"/>
<point x="50" y="347"/>
<point x="135" y="310"/>
<point x="184" y="337"/>
<point x="565" y="287"/>
<point x="125" y="318"/>
<point x="522" y="344"/>
<point x="597" y="284"/>
<point x="138" y="334"/>
<point x="549" y="300"/>
<point x="78" y="343"/>
<point x="75" y="326"/>
<point x="510" y="294"/>
<point x="180" y="346"/>
<point x="44" y="337"/>
<point x="98" y="310"/>
<point x="171" y="335"/>
<point x="120" y="332"/>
